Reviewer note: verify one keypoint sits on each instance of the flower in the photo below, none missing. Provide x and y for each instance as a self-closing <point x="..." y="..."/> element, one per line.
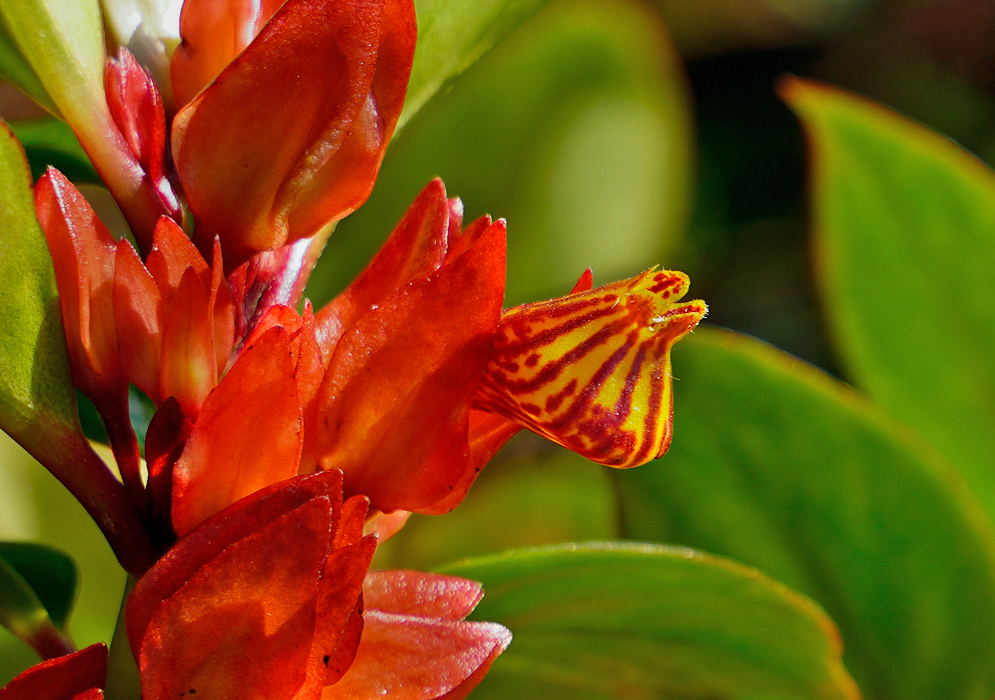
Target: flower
<point x="77" y="676"/>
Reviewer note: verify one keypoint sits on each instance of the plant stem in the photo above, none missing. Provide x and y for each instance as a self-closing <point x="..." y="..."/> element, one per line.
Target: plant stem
<point x="123" y="680"/>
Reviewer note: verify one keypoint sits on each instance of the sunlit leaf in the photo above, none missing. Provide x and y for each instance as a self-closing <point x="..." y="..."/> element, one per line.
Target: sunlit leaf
<point x="452" y="36"/>
<point x="616" y="620"/>
<point x="36" y="396"/>
<point x="905" y="232"/>
<point x="781" y="467"/>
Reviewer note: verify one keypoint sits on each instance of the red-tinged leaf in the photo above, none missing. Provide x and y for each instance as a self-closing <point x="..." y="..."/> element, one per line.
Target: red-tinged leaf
<point x="213" y="536"/>
<point x="290" y="135"/>
<point x="591" y="371"/>
<point x="352" y="523"/>
<point x="138" y="319"/>
<point x="189" y="369"/>
<point x="421" y="594"/>
<point x="416" y="248"/>
<point x="83" y="252"/>
<point x="405" y="657"/>
<point x="222" y="311"/>
<point x="242" y="626"/>
<point x="71" y="677"/>
<point x="213" y="34"/>
<point x="341" y="659"/>
<point x="248" y="434"/>
<point x="137" y="110"/>
<point x="396" y="397"/>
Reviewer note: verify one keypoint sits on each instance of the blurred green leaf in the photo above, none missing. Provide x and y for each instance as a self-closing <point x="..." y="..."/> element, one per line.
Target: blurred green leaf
<point x="36" y="396"/>
<point x="575" y="129"/>
<point x="16" y="70"/>
<point x="781" y="467"/>
<point x="521" y="500"/>
<point x="50" y="573"/>
<point x="905" y="229"/>
<point x="48" y="514"/>
<point x="21" y="611"/>
<point x="452" y="36"/>
<point x="616" y="620"/>
<point x="50" y="141"/>
<point x="706" y="27"/>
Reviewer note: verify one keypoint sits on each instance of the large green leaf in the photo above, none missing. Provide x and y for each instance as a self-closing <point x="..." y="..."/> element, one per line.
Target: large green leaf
<point x="50" y="573"/>
<point x="576" y="130"/>
<point x="777" y="465"/>
<point x="905" y="230"/>
<point x="616" y="620"/>
<point x="452" y="36"/>
<point x="36" y="395"/>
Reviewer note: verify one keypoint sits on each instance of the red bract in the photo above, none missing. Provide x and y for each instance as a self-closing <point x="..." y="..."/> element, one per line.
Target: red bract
<point x="78" y="676"/>
<point x="290" y="134"/>
<point x="257" y="601"/>
<point x="415" y="643"/>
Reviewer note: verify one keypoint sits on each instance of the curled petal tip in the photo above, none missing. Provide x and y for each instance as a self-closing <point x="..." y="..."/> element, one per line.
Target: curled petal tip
<point x="591" y="371"/>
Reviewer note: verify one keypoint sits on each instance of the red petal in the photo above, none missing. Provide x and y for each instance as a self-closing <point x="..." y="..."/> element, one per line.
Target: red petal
<point x="172" y="254"/>
<point x="416" y="248"/>
<point x="248" y="434"/>
<point x="71" y="677"/>
<point x="138" y="112"/>
<point x="250" y="603"/>
<point x="585" y="283"/>
<point x="421" y="594"/>
<point x="242" y="626"/>
<point x="137" y="305"/>
<point x="405" y="657"/>
<point x="591" y="371"/>
<point x="290" y="135"/>
<point x="188" y="369"/>
<point x="213" y="34"/>
<point x="83" y="252"/>
<point x="395" y="401"/>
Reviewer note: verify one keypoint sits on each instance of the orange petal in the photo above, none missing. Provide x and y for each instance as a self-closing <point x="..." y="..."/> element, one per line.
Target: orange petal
<point x="172" y="254"/>
<point x="395" y="401"/>
<point x="213" y="34"/>
<point x="188" y="369"/>
<point x="78" y="676"/>
<point x="138" y="317"/>
<point x="415" y="645"/>
<point x="83" y="252"/>
<point x="290" y="135"/>
<point x="416" y="248"/>
<point x="137" y="110"/>
<point x="248" y="434"/>
<point x="591" y="371"/>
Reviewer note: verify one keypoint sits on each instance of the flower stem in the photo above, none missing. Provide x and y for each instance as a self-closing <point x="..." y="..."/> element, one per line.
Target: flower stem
<point x="123" y="680"/>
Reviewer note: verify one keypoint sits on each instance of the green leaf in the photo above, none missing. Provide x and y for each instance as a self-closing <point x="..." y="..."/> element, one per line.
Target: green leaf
<point x="20" y="609"/>
<point x="452" y="36"/>
<point x="50" y="141"/>
<point x="50" y="574"/>
<point x="616" y="620"/>
<point x="546" y="498"/>
<point x="779" y="466"/>
<point x="37" y="399"/>
<point x="576" y="130"/>
<point x="16" y="70"/>
<point x="905" y="230"/>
